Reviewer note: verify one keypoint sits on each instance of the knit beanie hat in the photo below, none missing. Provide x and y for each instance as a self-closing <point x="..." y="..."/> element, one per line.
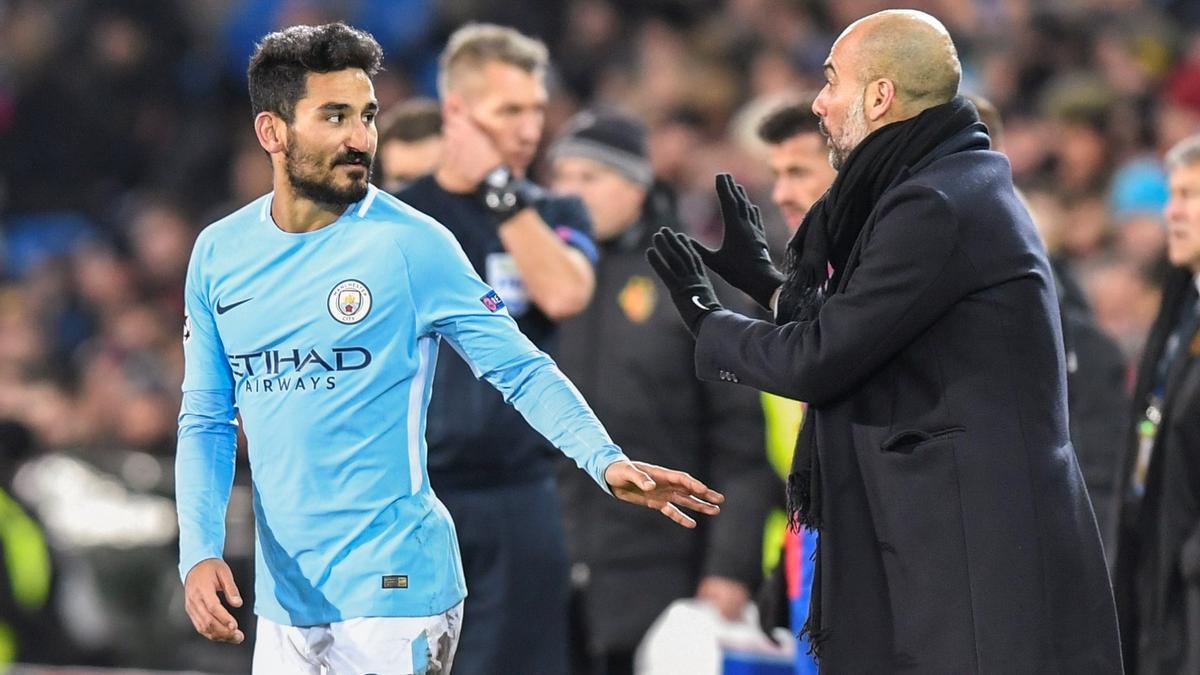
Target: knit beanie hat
<point x="612" y="138"/>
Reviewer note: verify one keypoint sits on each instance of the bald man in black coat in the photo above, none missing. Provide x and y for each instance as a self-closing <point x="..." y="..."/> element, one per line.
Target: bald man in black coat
<point x="919" y="320"/>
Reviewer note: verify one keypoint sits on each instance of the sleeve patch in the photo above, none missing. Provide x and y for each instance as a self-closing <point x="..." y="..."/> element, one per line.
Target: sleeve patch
<point x="579" y="240"/>
<point x="492" y="301"/>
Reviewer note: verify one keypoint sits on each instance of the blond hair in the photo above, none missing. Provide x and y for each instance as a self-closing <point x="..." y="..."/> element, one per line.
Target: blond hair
<point x="477" y="44"/>
<point x="1183" y="153"/>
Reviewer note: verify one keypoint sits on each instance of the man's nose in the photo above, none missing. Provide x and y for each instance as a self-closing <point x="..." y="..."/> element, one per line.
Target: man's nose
<point x="360" y="136"/>
<point x="818" y="105"/>
<point x="778" y="192"/>
<point x="1173" y="211"/>
<point x="530" y="130"/>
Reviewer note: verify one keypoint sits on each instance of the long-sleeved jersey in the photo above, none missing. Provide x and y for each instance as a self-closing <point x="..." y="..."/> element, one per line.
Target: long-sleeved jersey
<point x="324" y="342"/>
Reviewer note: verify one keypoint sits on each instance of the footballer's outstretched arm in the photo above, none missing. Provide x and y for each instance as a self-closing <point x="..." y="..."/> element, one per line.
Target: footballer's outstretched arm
<point x="453" y="302"/>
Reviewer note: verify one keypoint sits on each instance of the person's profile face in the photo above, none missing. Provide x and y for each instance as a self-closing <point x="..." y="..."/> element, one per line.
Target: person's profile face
<point x="403" y="162"/>
<point x="840" y="103"/>
<point x="509" y="104"/>
<point x="1183" y="217"/>
<point x="613" y="202"/>
<point x="332" y="138"/>
<point x="802" y="173"/>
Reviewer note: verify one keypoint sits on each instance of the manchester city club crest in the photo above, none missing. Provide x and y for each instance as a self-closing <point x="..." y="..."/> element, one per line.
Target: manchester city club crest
<point x="349" y="301"/>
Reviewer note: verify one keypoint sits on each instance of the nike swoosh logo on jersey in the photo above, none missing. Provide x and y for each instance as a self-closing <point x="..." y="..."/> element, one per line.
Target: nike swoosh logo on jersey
<point x="221" y="309"/>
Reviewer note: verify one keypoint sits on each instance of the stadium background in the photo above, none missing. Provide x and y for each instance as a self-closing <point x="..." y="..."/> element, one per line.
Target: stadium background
<point x="125" y="127"/>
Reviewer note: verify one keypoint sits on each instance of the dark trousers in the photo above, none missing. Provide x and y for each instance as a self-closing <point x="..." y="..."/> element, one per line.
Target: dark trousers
<point x="515" y="560"/>
<point x="611" y="613"/>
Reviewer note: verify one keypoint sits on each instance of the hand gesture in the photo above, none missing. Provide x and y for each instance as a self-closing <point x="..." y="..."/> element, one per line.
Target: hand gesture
<point x="664" y="490"/>
<point x="468" y="151"/>
<point x="679" y="266"/>
<point x="743" y="259"/>
<point x="204" y="608"/>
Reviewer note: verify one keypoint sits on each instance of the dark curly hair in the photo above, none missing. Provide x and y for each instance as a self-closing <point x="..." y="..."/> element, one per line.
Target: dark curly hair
<point x="282" y="60"/>
<point x="787" y="121"/>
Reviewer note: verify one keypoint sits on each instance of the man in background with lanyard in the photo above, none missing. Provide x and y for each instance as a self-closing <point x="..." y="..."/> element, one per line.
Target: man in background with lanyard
<point x="1157" y="574"/>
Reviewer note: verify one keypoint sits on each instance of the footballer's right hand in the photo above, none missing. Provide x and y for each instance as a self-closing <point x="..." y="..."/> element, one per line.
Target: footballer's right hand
<point x="204" y="581"/>
<point x="662" y="489"/>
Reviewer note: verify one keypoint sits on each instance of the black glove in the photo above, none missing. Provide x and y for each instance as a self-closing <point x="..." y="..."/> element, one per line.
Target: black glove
<point x="743" y="259"/>
<point x="503" y="194"/>
<point x="680" y="268"/>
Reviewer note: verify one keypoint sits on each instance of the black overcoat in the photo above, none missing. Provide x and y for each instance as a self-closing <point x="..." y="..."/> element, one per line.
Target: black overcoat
<point x="957" y="533"/>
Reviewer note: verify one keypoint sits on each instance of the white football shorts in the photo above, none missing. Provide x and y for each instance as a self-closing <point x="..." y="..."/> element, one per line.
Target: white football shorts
<point x="389" y="645"/>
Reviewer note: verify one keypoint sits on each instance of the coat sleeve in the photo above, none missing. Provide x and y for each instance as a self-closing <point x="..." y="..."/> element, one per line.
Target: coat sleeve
<point x="911" y="270"/>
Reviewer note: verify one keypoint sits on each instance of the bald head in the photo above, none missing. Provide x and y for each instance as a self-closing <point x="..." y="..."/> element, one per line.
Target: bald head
<point x="908" y="47"/>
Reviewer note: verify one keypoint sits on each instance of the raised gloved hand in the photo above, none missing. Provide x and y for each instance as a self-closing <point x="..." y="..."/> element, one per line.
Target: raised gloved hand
<point x="742" y="259"/>
<point x="680" y="268"/>
<point x="503" y="194"/>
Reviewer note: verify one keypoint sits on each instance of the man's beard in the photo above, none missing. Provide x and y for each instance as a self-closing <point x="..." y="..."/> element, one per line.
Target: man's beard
<point x="854" y="130"/>
<point x="312" y="183"/>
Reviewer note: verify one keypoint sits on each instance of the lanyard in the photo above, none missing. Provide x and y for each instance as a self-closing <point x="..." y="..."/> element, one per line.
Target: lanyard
<point x="1151" y="421"/>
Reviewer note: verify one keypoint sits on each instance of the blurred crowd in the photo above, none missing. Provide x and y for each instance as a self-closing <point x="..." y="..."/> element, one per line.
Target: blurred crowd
<point x="125" y="128"/>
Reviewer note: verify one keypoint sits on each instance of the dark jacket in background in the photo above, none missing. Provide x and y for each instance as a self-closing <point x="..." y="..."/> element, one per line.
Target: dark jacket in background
<point x="477" y="440"/>
<point x="629" y="355"/>
<point x="494" y="473"/>
<point x="957" y="536"/>
<point x="1097" y="400"/>
<point x="1157" y="573"/>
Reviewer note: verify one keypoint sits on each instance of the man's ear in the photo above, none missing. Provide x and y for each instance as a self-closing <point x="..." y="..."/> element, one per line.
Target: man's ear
<point x="271" y="131"/>
<point x="879" y="99"/>
<point x="453" y="104"/>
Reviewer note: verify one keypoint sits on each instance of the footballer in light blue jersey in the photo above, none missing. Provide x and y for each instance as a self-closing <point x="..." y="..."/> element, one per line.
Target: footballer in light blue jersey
<point x="325" y="342"/>
<point x="315" y="313"/>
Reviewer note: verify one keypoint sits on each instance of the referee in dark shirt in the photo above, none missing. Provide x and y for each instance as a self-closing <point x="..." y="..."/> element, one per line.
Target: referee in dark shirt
<point x="493" y="472"/>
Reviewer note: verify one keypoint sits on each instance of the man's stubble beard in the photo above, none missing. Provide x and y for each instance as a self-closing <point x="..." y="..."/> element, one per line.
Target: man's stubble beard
<point x="306" y="180"/>
<point x="854" y="130"/>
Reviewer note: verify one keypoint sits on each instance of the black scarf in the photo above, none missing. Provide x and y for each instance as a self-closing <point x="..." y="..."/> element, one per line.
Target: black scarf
<point x="826" y="239"/>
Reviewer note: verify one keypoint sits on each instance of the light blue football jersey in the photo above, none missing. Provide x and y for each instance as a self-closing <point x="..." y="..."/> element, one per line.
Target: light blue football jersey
<point x="325" y="343"/>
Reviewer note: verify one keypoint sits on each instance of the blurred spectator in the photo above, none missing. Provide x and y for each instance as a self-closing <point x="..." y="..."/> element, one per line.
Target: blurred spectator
<point x="1179" y="113"/>
<point x="1157" y="574"/>
<point x="29" y="629"/>
<point x="623" y="353"/>
<point x="798" y="157"/>
<point x="1136" y="200"/>
<point x="410" y="142"/>
<point x="1078" y="107"/>
<point x="160" y="238"/>
<point x="1124" y="300"/>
